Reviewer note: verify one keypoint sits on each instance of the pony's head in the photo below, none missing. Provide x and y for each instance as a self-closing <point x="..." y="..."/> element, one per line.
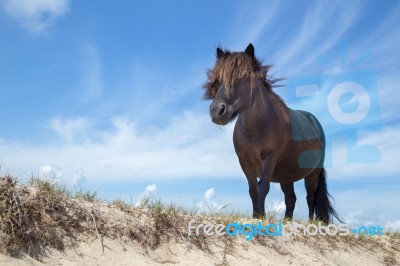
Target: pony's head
<point x="230" y="83"/>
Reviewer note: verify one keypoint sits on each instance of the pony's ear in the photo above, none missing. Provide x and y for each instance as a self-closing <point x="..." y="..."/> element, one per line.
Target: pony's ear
<point x="250" y="50"/>
<point x="220" y="53"/>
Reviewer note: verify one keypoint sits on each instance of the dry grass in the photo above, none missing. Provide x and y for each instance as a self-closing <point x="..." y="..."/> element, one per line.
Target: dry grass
<point x="44" y="215"/>
<point x="34" y="218"/>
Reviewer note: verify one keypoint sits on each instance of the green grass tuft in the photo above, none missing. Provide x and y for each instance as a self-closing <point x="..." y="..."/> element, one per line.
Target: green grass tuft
<point x="86" y="195"/>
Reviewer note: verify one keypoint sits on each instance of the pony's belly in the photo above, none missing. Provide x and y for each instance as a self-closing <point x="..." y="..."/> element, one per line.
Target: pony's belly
<point x="289" y="174"/>
<point x="299" y="160"/>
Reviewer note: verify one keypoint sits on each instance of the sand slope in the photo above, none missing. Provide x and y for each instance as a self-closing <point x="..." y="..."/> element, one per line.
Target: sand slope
<point x="70" y="231"/>
<point x="117" y="253"/>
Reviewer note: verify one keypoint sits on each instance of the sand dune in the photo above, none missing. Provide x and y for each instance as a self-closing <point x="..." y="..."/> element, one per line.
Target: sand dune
<point x="43" y="224"/>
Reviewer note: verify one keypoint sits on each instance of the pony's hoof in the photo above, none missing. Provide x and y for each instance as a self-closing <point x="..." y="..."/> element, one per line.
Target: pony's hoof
<point x="288" y="218"/>
<point x="258" y="214"/>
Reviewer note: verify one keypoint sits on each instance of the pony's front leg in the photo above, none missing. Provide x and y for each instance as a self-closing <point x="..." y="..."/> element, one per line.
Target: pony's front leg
<point x="252" y="181"/>
<point x="262" y="191"/>
<point x="268" y="165"/>
<point x="253" y="191"/>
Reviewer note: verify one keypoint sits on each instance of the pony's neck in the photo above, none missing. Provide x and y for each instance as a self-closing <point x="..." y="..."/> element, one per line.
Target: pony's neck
<point x="264" y="111"/>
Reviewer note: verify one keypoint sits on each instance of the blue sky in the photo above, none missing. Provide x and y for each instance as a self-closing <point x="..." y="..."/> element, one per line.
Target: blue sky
<point x="107" y="96"/>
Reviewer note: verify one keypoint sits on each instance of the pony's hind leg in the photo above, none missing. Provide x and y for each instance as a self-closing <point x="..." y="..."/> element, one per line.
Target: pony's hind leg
<point x="311" y="183"/>
<point x="290" y="199"/>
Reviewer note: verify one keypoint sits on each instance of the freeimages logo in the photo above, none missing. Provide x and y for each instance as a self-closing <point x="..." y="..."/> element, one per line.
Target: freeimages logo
<point x="346" y="102"/>
<point x="280" y="229"/>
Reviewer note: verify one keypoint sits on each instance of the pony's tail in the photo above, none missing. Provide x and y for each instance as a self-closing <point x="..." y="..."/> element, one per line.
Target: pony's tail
<point x="324" y="210"/>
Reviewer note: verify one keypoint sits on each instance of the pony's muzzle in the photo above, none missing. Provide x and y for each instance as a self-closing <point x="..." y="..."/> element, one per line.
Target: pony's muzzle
<point x="221" y="109"/>
<point x="218" y="111"/>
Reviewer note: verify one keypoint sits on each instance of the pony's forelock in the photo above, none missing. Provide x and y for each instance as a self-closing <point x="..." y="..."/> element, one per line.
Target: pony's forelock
<point x="231" y="67"/>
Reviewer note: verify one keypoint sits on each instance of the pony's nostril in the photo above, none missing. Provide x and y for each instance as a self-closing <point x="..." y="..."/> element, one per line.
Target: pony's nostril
<point x="221" y="109"/>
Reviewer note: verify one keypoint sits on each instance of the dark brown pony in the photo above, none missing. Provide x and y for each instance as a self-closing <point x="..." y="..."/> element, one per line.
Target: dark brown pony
<point x="273" y="142"/>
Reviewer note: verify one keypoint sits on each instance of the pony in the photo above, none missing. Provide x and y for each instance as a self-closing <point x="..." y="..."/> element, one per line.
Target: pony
<point x="273" y="142"/>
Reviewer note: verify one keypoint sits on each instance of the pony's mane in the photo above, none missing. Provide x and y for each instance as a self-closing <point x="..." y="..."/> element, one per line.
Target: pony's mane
<point x="231" y="67"/>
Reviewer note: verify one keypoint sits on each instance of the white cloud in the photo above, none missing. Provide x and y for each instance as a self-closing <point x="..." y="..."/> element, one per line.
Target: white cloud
<point x="367" y="216"/>
<point x="148" y="191"/>
<point x="353" y="217"/>
<point x="190" y="146"/>
<point x="69" y="129"/>
<point x="56" y="173"/>
<point x="150" y="188"/>
<point x="278" y="206"/>
<point x="209" y="194"/>
<point x="36" y="15"/>
<point x="209" y="203"/>
<point x="340" y="16"/>
<point x="50" y="171"/>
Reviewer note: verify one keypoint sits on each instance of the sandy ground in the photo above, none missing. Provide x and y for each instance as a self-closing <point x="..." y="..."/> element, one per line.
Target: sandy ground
<point x="283" y="252"/>
<point x="123" y="235"/>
